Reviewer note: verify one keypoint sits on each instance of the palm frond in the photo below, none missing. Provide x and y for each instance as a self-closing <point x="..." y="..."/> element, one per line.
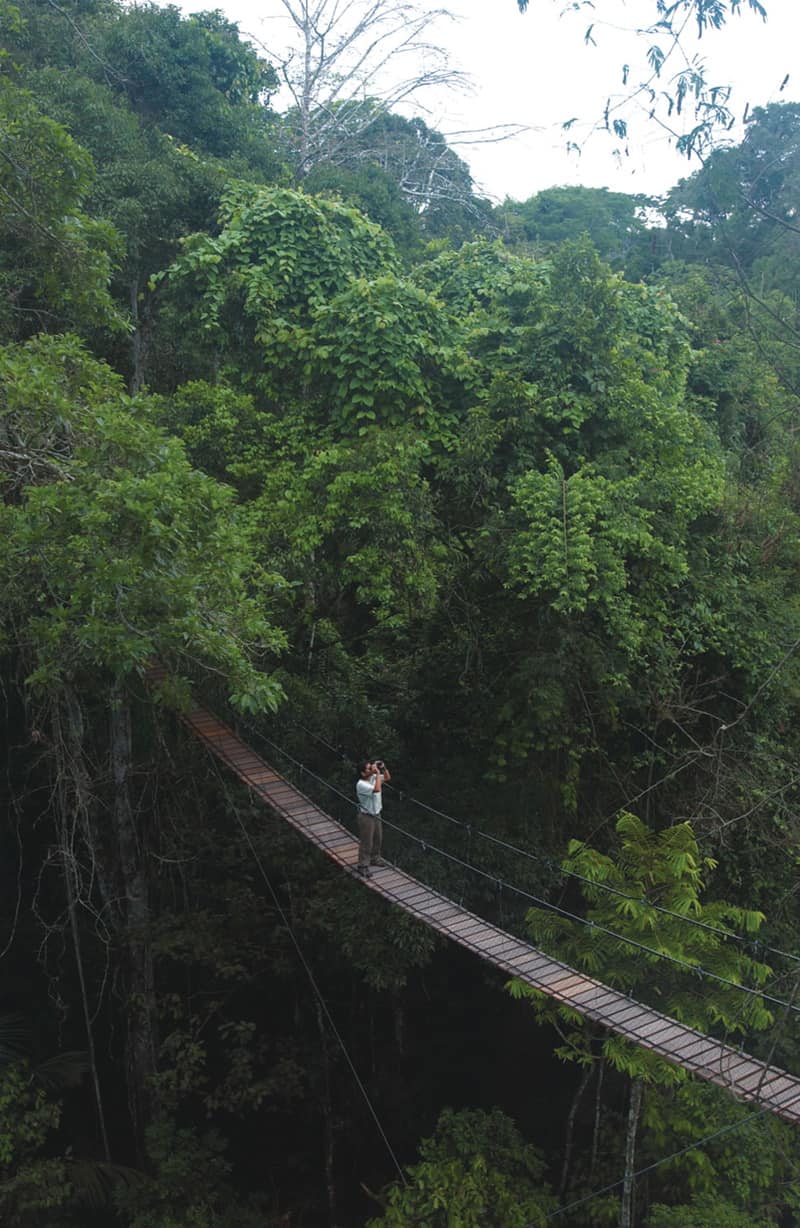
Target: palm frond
<point x="93" y="1181"/>
<point x="13" y="1039"/>
<point x="62" y="1070"/>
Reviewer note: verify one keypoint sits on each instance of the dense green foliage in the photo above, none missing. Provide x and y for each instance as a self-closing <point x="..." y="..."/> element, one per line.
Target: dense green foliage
<point x="476" y="1171"/>
<point x="512" y="496"/>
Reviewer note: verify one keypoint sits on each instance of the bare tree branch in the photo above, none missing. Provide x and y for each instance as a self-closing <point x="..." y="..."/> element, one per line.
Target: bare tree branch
<point x="349" y="65"/>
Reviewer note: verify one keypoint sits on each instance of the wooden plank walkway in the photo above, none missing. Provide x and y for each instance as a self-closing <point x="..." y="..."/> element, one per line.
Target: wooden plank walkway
<point x="746" y="1077"/>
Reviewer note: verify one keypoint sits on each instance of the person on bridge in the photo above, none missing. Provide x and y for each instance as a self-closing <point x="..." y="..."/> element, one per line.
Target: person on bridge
<point x="369" y="795"/>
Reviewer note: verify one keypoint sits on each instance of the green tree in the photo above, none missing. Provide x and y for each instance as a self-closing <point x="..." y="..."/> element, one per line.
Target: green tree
<point x="614" y="221"/>
<point x="476" y="1171"/>
<point x="705" y="1213"/>
<point x="737" y="209"/>
<point x="55" y="260"/>
<point x="169" y="109"/>
<point x="749" y="1170"/>
<point x="279" y="257"/>
<point x="377" y="195"/>
<point x="153" y="189"/>
<point x="196" y="79"/>
<point x="574" y="487"/>
<point x="652" y="871"/>
<point x="429" y="176"/>
<point x="114" y="511"/>
<point x="31" y="1185"/>
<point x="117" y="553"/>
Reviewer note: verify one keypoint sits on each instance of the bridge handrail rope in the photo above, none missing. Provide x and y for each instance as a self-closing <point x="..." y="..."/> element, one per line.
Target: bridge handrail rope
<point x="754" y="943"/>
<point x="758" y="947"/>
<point x="695" y="969"/>
<point x="699" y="1142"/>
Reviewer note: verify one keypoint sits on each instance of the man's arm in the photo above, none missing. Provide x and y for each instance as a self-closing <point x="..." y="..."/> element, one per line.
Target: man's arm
<point x="382" y="774"/>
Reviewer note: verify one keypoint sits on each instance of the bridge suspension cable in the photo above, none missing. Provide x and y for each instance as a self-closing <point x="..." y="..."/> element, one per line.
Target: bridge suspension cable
<point x="695" y="969"/>
<point x="756" y="945"/>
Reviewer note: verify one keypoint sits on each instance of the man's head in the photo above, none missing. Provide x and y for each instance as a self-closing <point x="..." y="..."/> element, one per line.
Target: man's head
<point x="366" y="768"/>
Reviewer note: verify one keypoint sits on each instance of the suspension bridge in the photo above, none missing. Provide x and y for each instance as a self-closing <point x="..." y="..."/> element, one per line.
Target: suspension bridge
<point x="746" y="1077"/>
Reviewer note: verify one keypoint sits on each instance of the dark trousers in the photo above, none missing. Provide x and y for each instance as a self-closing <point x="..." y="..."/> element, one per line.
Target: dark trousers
<point x="370" y="838"/>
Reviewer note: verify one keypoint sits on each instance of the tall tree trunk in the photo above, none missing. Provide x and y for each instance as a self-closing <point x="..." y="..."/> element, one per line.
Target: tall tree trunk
<point x="95" y="836"/>
<point x="598" y="1104"/>
<point x="399" y="1024"/>
<point x="586" y="1074"/>
<point x="76" y="944"/>
<point x="628" y="1186"/>
<point x="327" y="1116"/>
<point x="75" y="812"/>
<point x="140" y="337"/>
<point x="141" y="1016"/>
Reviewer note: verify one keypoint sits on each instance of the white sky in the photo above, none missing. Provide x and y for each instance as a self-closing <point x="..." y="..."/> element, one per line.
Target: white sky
<point x="535" y="69"/>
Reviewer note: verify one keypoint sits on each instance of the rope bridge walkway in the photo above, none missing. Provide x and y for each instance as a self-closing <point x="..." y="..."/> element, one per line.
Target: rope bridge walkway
<point x="746" y="1077"/>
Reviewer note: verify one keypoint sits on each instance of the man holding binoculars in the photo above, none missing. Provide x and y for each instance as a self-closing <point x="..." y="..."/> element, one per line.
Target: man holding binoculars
<point x="370" y="804"/>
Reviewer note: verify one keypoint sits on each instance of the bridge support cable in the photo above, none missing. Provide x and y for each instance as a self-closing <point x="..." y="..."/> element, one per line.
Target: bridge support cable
<point x="320" y="997"/>
<point x="497" y="883"/>
<point x="757" y="945"/>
